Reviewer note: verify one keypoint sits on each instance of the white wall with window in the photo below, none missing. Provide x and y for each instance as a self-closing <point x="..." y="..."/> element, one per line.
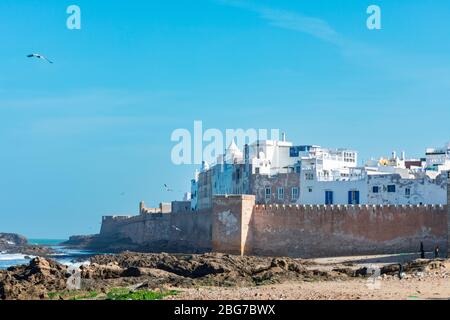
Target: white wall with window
<point x="376" y="189"/>
<point x="332" y="192"/>
<point x="295" y="193"/>
<point x="392" y="189"/>
<point x="280" y="193"/>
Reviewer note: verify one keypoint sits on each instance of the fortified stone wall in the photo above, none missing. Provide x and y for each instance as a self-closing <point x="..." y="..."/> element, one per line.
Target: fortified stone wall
<point x="190" y="232"/>
<point x="322" y="231"/>
<point x="230" y="220"/>
<point x="143" y="229"/>
<point x="186" y="232"/>
<point x="237" y="226"/>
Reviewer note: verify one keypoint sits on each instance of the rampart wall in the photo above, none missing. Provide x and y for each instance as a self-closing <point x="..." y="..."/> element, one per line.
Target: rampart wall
<point x="236" y="225"/>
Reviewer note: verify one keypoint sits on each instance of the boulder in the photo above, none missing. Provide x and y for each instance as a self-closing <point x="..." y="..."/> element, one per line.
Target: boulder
<point x="96" y="271"/>
<point x="33" y="281"/>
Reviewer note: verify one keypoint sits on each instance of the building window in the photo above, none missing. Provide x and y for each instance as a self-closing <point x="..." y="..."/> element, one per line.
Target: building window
<point x="353" y="197"/>
<point x="375" y="189"/>
<point x="391" y="188"/>
<point x="309" y="176"/>
<point x="310" y="189"/>
<point x="280" y="193"/>
<point x="256" y="170"/>
<point x="407" y="192"/>
<point x="328" y="197"/>
<point x="294" y="193"/>
<point x="268" y="193"/>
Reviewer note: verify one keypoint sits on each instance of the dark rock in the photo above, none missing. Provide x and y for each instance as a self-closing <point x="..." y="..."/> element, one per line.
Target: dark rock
<point x="133" y="272"/>
<point x="14" y="243"/>
<point x="101" y="272"/>
<point x="12" y="239"/>
<point x="34" y="281"/>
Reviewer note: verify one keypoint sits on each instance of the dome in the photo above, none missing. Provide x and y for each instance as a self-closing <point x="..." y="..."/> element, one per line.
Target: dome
<point x="205" y="166"/>
<point x="233" y="153"/>
<point x="233" y="148"/>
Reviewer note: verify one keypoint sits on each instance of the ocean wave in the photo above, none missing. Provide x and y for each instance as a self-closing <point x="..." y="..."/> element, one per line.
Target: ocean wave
<point x="14" y="256"/>
<point x="76" y="265"/>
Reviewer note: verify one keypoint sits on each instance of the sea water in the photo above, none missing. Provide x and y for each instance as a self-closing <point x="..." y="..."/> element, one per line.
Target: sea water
<point x="8" y="260"/>
<point x="63" y="255"/>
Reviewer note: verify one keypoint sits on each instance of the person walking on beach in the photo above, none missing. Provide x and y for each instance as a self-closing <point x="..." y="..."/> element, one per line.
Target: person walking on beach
<point x="436" y="252"/>
<point x="422" y="251"/>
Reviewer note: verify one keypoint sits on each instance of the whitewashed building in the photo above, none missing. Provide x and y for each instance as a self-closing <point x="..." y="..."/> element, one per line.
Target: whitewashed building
<point x="281" y="173"/>
<point x="386" y="181"/>
<point x="438" y="159"/>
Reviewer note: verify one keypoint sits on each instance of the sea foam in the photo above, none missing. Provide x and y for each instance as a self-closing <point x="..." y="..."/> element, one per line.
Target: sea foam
<point x="14" y="256"/>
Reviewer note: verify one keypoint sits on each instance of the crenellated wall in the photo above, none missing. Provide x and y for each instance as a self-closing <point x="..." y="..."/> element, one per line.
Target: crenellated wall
<point x="148" y="228"/>
<point x="237" y="226"/>
<point x="321" y="231"/>
<point x="187" y="232"/>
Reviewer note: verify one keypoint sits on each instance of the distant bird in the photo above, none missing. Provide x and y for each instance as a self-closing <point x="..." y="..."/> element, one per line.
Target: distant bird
<point x="39" y="56"/>
<point x="167" y="188"/>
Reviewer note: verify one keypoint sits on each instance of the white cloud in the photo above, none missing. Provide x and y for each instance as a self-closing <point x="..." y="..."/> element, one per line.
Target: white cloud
<point x="294" y="21"/>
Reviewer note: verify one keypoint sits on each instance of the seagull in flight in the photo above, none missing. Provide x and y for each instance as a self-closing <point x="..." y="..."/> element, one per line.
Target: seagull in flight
<point x="38" y="56"/>
<point x="176" y="228"/>
<point x="167" y="188"/>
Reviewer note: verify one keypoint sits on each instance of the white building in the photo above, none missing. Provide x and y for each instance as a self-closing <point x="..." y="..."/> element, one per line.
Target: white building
<point x="395" y="180"/>
<point x="331" y="177"/>
<point x="438" y="159"/>
<point x="420" y="189"/>
<point x="271" y="157"/>
<point x="321" y="176"/>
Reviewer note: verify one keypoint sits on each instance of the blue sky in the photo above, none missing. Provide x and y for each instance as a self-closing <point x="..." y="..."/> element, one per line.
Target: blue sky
<point x="90" y="134"/>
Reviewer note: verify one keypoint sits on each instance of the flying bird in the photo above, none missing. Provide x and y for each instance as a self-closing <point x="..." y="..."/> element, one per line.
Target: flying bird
<point x="167" y="188"/>
<point x="38" y="56"/>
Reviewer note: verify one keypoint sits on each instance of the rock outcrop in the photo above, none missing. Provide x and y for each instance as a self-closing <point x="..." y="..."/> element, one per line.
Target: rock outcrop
<point x="165" y="271"/>
<point x="8" y="240"/>
<point x="33" y="281"/>
<point x="14" y="243"/>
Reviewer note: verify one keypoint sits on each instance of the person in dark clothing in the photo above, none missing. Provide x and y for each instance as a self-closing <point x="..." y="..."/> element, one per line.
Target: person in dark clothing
<point x="422" y="251"/>
<point x="400" y="271"/>
<point x="436" y="252"/>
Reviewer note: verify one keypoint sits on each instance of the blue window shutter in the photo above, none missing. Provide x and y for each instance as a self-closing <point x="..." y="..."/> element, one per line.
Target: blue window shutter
<point x="349" y="197"/>
<point x="328" y="197"/>
<point x="357" y="197"/>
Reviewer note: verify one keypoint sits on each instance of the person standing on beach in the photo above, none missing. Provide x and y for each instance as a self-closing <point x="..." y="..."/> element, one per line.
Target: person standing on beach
<point x="400" y="271"/>
<point x="422" y="251"/>
<point x="436" y="252"/>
